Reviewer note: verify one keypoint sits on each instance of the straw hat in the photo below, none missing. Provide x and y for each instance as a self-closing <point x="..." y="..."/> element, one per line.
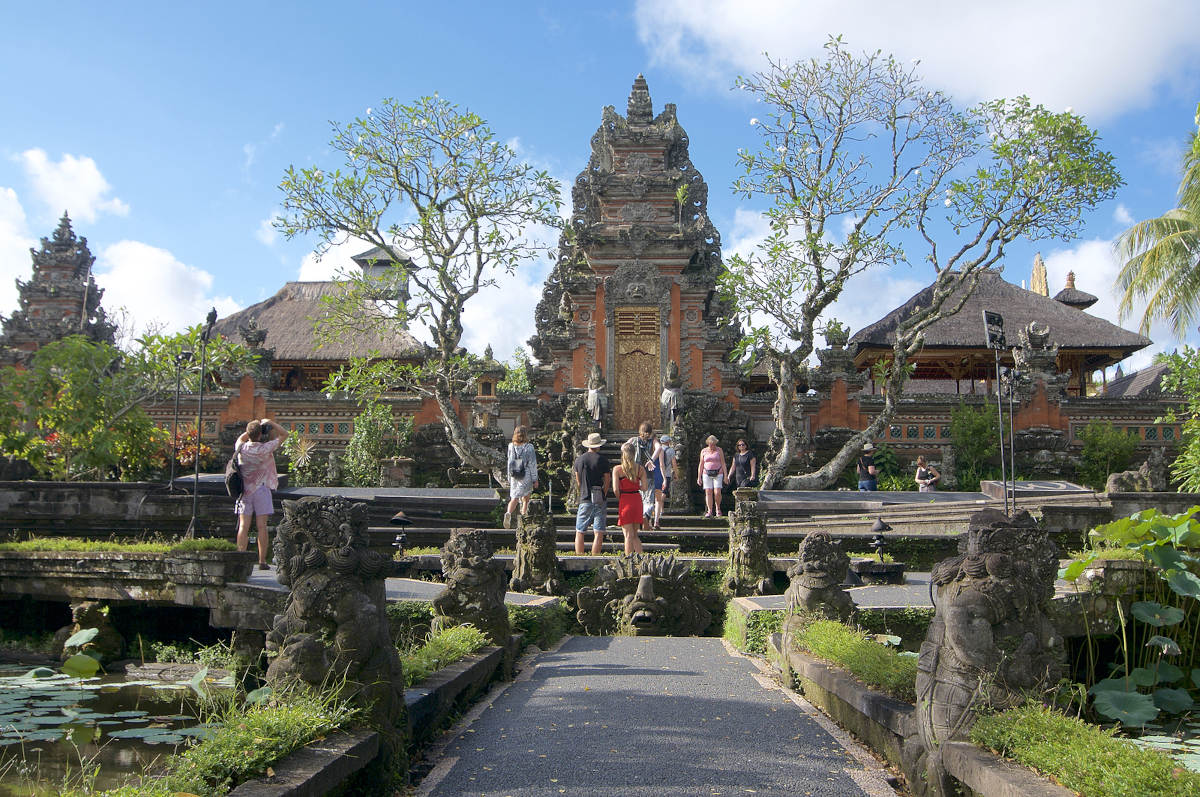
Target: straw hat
<point x="869" y="447"/>
<point x="594" y="440"/>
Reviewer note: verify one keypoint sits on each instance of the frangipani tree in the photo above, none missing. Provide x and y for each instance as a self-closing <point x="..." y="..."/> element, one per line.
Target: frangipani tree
<point x="449" y="208"/>
<point x="865" y="167"/>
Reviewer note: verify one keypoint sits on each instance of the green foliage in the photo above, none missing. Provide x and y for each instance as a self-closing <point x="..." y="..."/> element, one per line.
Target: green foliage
<point x="248" y="739"/>
<point x="118" y="546"/>
<point x="975" y="435"/>
<point x="409" y="622"/>
<point x="876" y="665"/>
<point x="307" y="465"/>
<point x="1082" y="757"/>
<point x="1106" y="449"/>
<point x="1183" y="379"/>
<point x="543" y="625"/>
<point x="1162" y="255"/>
<point x="75" y="412"/>
<point x="910" y="624"/>
<point x="516" y="374"/>
<point x="439" y="650"/>
<point x="1166" y="623"/>
<point x="749" y="632"/>
<point x="377" y="436"/>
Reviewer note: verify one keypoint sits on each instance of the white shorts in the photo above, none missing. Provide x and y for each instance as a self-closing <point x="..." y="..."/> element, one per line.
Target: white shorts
<point x="713" y="482"/>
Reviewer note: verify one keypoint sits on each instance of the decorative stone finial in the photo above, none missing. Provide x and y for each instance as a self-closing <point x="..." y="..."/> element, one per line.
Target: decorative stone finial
<point x="640" y="111"/>
<point x="475" y="586"/>
<point x="1071" y="280"/>
<point x="1037" y="282"/>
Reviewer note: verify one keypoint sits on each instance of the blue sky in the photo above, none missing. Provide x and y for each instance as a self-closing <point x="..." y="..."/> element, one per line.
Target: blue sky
<point x="165" y="128"/>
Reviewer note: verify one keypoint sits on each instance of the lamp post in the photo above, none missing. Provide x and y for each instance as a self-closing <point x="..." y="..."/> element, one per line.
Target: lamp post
<point x="184" y="355"/>
<point x="194" y="525"/>
<point x="993" y="326"/>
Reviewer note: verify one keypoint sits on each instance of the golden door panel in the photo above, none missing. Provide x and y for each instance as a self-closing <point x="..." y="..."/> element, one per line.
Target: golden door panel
<point x="636" y="349"/>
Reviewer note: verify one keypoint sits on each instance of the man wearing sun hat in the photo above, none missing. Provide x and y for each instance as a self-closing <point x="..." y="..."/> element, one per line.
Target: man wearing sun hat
<point x="867" y="474"/>
<point x="593" y="477"/>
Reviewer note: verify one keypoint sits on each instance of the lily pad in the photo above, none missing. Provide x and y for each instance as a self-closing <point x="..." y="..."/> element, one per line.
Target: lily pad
<point x="81" y="665"/>
<point x="1190" y="760"/>
<point x="81" y="637"/>
<point x="1168" y="646"/>
<point x="1173" y="701"/>
<point x="1142" y="676"/>
<point x="1156" y="614"/>
<point x="1131" y="708"/>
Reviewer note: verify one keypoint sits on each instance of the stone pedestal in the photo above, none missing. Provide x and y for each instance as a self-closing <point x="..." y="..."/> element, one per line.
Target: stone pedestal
<point x="396" y="472"/>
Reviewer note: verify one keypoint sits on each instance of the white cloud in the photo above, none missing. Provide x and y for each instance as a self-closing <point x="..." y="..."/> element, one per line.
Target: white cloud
<point x="251" y="149"/>
<point x="335" y="261"/>
<point x="74" y="184"/>
<point x="1101" y="57"/>
<point x="266" y="232"/>
<point x="155" y="288"/>
<point x="1096" y="266"/>
<point x="1122" y="216"/>
<point x="15" y="242"/>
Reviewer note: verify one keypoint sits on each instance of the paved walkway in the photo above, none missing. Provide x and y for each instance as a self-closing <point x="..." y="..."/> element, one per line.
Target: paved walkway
<point x="648" y="716"/>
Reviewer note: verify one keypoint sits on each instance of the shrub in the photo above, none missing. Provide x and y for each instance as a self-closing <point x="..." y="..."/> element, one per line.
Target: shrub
<point x="1106" y="449"/>
<point x="377" y="435"/>
<point x="439" y="650"/>
<point x="975" y="434"/>
<point x="874" y="664"/>
<point x="1082" y="757"/>
<point x="542" y="626"/>
<point x="409" y="622"/>
<point x="749" y="632"/>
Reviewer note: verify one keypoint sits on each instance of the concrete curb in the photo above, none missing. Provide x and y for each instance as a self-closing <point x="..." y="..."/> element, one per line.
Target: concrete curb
<point x="882" y="722"/>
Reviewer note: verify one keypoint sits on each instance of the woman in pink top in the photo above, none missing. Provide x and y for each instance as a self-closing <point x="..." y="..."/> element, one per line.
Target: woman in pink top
<point x="711" y="475"/>
<point x="256" y="454"/>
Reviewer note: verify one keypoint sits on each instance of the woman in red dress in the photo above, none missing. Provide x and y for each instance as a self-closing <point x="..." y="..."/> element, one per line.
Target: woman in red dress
<point x="630" y="479"/>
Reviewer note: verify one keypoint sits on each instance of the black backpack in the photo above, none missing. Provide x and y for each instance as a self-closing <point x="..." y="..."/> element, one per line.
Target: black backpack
<point x="234" y="484"/>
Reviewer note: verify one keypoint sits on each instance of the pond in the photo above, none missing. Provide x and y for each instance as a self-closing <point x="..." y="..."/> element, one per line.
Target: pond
<point x="51" y="724"/>
<point x="1178" y="737"/>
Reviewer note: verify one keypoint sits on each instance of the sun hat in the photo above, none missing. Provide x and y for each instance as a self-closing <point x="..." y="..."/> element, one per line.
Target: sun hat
<point x="869" y="447"/>
<point x="667" y="438"/>
<point x="594" y="440"/>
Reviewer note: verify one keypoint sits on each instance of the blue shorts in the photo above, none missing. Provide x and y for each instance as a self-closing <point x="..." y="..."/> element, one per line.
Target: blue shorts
<point x="867" y="485"/>
<point x="657" y="478"/>
<point x="591" y="514"/>
<point x="257" y="503"/>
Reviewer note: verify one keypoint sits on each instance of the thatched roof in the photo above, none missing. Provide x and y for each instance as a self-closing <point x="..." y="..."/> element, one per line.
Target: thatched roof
<point x="1146" y="383"/>
<point x="1070" y="328"/>
<point x="288" y="318"/>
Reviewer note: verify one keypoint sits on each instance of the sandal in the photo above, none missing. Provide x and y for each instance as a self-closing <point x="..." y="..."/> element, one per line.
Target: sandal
<point x="708" y="514"/>
<point x="718" y="513"/>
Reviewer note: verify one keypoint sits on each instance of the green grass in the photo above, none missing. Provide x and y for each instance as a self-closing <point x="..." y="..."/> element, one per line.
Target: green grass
<point x="1082" y="757"/>
<point x="749" y="632"/>
<point x="875" y="664"/>
<point x="874" y="556"/>
<point x="541" y="626"/>
<point x="1108" y="553"/>
<point x="440" y="650"/>
<point x="248" y="740"/>
<point x="117" y="546"/>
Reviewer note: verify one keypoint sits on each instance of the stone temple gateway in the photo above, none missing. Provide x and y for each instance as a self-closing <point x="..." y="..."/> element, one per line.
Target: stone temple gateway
<point x="633" y="290"/>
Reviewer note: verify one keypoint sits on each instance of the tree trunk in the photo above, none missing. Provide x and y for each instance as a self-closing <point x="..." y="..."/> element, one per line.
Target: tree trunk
<point x="785" y="422"/>
<point x="468" y="449"/>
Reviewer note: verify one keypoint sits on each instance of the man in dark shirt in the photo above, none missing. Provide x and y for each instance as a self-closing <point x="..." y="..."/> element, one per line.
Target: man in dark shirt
<point x="867" y="474"/>
<point x="593" y="477"/>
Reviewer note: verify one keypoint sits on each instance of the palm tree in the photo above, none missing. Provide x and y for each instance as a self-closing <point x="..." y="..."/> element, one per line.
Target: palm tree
<point x="1162" y="255"/>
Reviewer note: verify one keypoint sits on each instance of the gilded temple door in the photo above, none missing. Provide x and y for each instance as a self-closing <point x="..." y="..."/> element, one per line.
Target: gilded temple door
<point x="636" y="349"/>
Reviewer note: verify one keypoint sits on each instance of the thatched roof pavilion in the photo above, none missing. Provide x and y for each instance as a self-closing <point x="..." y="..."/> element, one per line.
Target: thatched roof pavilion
<point x="301" y="361"/>
<point x="956" y="347"/>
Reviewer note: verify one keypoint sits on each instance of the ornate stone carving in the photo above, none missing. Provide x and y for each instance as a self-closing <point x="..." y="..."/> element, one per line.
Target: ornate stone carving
<point x="535" y="568"/>
<point x="643" y="595"/>
<point x="475" y="586"/>
<point x="638" y="211"/>
<point x="1152" y="477"/>
<point x="597" y="395"/>
<point x="335" y="627"/>
<point x="748" y="571"/>
<point x="991" y="641"/>
<point x="60" y="299"/>
<point x="672" y="394"/>
<point x="1036" y="360"/>
<point x="108" y="644"/>
<point x="816" y="590"/>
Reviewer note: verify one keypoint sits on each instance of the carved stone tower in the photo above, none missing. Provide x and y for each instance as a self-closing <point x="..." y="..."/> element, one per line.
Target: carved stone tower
<point x="633" y="288"/>
<point x="60" y="300"/>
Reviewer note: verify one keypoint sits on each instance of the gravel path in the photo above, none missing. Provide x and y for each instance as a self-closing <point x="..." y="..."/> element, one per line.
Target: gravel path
<point x="648" y="716"/>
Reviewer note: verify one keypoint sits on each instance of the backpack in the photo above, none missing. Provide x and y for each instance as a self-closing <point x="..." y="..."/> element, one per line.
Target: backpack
<point x="234" y="483"/>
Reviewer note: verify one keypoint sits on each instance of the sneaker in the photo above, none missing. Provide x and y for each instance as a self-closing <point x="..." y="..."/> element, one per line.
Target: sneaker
<point x="508" y="520"/>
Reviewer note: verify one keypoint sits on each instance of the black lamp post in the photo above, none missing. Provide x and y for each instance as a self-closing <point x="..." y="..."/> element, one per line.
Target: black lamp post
<point x="877" y="542"/>
<point x="194" y="526"/>
<point x="182" y="357"/>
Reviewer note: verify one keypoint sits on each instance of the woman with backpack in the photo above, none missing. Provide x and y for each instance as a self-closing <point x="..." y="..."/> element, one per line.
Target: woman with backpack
<point x="522" y="473"/>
